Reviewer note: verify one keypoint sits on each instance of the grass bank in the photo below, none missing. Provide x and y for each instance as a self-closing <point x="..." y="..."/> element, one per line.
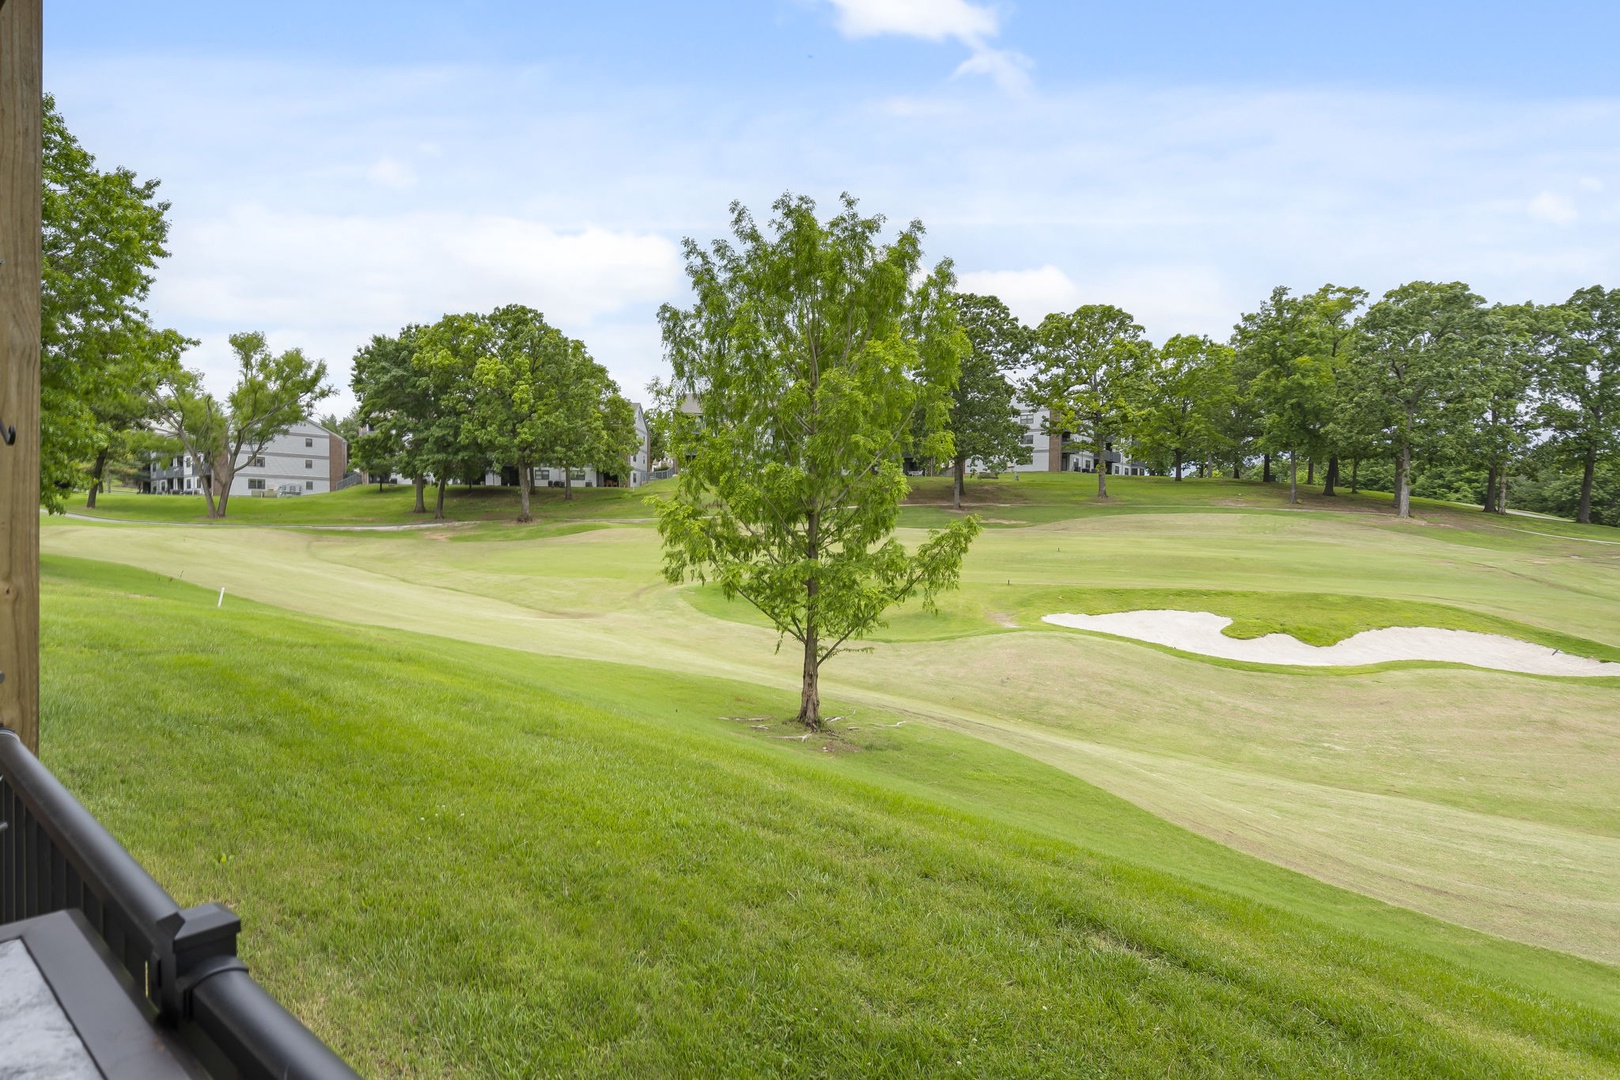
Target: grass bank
<point x="454" y="860"/>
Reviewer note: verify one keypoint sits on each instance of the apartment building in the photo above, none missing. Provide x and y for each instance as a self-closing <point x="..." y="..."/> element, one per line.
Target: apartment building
<point x="1064" y="451"/>
<point x="308" y="459"/>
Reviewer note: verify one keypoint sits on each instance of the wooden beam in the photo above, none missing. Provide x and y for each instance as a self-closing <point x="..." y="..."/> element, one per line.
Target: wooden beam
<point x="20" y="121"/>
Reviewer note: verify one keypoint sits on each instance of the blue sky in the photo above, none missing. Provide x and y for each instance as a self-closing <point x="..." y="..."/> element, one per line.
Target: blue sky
<point x="338" y="169"/>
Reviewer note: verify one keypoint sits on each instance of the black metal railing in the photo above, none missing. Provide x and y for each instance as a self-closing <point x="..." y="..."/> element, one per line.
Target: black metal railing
<point x="55" y="856"/>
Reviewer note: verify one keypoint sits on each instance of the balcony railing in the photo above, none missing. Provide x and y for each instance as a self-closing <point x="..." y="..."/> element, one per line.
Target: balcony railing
<point x="55" y="856"/>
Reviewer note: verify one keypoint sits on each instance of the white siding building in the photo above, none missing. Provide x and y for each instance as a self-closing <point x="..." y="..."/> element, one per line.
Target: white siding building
<point x="637" y="470"/>
<point x="1064" y="451"/>
<point x="308" y="459"/>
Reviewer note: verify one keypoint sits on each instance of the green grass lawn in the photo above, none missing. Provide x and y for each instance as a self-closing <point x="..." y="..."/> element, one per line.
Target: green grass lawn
<point x="365" y="504"/>
<point x="1488" y="799"/>
<point x="458" y="860"/>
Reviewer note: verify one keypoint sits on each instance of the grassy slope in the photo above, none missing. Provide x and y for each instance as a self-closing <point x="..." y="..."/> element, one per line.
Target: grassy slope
<point x="461" y="860"/>
<point x="1483" y="798"/>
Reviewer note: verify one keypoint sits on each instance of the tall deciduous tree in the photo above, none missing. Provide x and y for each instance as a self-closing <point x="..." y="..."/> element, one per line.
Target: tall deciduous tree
<point x="1580" y="386"/>
<point x="102" y="236"/>
<point x="810" y="351"/>
<point x="519" y="382"/>
<point x="122" y="407"/>
<point x="591" y="425"/>
<point x="1413" y="376"/>
<point x="1089" y="366"/>
<point x="984" y="422"/>
<point x="393" y="405"/>
<point x="272" y="393"/>
<point x="443" y="439"/>
<point x="1502" y="430"/>
<point x="1187" y="385"/>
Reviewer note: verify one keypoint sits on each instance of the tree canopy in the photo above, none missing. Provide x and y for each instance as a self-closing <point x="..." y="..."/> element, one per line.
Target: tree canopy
<point x="103" y="233"/>
<point x="819" y="356"/>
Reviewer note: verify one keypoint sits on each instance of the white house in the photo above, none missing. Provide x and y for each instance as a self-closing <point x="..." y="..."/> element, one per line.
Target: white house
<point x="307" y="458"/>
<point x="1064" y="451"/>
<point x="637" y="470"/>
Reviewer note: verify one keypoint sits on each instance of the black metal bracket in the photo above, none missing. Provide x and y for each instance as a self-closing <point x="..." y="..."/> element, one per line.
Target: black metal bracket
<point x="8" y="432"/>
<point x="197" y="943"/>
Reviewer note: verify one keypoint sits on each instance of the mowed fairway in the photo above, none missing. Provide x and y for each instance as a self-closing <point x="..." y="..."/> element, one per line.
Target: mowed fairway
<point x="453" y="860"/>
<point x="1487" y="799"/>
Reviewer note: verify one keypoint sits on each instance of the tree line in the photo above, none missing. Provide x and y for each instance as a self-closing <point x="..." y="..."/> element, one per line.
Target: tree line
<point x="446" y="400"/>
<point x="440" y="401"/>
<point x="1428" y="377"/>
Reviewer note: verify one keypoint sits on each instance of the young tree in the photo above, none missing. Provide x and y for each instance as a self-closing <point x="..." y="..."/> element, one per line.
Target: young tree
<point x="1580" y="386"/>
<point x="984" y="422"/>
<point x="102" y="235"/>
<point x="1186" y="388"/>
<point x="1089" y="365"/>
<point x="272" y="393"/>
<point x="1414" y="372"/>
<point x="187" y="413"/>
<point x="810" y="351"/>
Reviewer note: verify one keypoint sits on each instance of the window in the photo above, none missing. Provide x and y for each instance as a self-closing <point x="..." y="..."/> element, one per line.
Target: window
<point x="257" y="463"/>
<point x="308" y="464"/>
<point x="309" y="485"/>
<point x="256" y="483"/>
<point x="309" y="442"/>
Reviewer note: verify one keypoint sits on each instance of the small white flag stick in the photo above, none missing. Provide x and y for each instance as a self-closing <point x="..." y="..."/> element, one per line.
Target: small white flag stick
<point x="221" y="602"/>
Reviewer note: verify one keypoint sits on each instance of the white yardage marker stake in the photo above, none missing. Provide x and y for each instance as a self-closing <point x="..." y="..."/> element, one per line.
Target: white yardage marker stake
<point x="221" y="602"/>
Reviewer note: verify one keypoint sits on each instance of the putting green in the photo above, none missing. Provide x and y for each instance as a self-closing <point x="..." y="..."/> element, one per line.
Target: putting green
<point x="1485" y="798"/>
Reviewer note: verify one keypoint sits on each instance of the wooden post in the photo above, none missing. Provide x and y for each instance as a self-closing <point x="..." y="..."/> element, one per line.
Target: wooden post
<point x="20" y="121"/>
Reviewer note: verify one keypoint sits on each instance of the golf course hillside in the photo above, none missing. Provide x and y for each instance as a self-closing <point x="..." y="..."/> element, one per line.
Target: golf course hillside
<point x="497" y="799"/>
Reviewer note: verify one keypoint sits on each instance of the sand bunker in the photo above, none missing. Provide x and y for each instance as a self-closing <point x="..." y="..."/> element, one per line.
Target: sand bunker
<point x="1200" y="632"/>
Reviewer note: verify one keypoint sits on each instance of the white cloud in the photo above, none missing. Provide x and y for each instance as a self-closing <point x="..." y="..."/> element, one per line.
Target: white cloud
<point x="1184" y="206"/>
<point x="327" y="282"/>
<point x="934" y="20"/>
<point x="392" y="173"/>
<point x="1553" y="208"/>
<point x="1031" y="294"/>
<point x="939" y="20"/>
<point x="1009" y="69"/>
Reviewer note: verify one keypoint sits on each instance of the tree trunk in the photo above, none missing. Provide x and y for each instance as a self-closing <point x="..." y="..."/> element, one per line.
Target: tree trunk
<point x="438" y="503"/>
<point x="1331" y="476"/>
<point x="1310" y="472"/>
<point x="95" y="478"/>
<point x="959" y="482"/>
<point x="568" y="483"/>
<point x="1489" y="506"/>
<point x="1178" y="466"/>
<point x="1584" y="513"/>
<point x="1355" y="482"/>
<point x="1102" y="469"/>
<point x="1265" y="468"/>
<point x="1293" y="478"/>
<point x="810" y="691"/>
<point x="1403" y="487"/>
<point x="1501" y="494"/>
<point x="420" y="483"/>
<point x="525" y="482"/>
<point x="1237" y="468"/>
